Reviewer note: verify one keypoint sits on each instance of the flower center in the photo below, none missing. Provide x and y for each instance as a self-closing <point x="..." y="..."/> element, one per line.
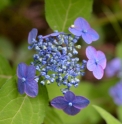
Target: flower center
<point x="84" y="31"/>
<point x="23" y="79"/>
<point x="96" y="61"/>
<point x="70" y="103"/>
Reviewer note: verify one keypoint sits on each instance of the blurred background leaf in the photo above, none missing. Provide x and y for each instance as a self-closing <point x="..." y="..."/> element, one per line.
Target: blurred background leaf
<point x="119" y="112"/>
<point x="4" y="3"/>
<point x="6" y="48"/>
<point x="107" y="116"/>
<point x="61" y="15"/>
<point x="119" y="50"/>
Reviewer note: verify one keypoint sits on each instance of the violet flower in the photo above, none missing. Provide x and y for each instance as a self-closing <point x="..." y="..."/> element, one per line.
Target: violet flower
<point x="116" y="93"/>
<point x="113" y="67"/>
<point x="70" y="103"/>
<point x="96" y="62"/>
<point x="26" y="81"/>
<point x="82" y="28"/>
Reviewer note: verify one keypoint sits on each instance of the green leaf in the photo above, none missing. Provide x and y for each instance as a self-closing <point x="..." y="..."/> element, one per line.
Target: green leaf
<point x="119" y="112"/>
<point x="52" y="117"/>
<point x="61" y="14"/>
<point x="6" y="71"/>
<point x="119" y="50"/>
<point x="106" y="116"/>
<point x="21" y="109"/>
<point x="6" y="48"/>
<point x="4" y="3"/>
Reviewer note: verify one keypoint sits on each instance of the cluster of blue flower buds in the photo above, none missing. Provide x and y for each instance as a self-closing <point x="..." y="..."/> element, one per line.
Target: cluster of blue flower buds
<point x="55" y="58"/>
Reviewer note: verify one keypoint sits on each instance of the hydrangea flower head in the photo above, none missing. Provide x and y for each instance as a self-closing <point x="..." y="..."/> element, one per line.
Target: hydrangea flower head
<point x="113" y="67"/>
<point x="70" y="103"/>
<point x="56" y="53"/>
<point x="116" y="93"/>
<point x="96" y="62"/>
<point x="82" y="28"/>
<point x="26" y="81"/>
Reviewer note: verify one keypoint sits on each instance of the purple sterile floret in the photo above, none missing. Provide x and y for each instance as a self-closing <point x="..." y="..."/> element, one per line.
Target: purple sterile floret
<point x="116" y="93"/>
<point x="70" y="103"/>
<point x="82" y="28"/>
<point x="113" y="67"/>
<point x="26" y="81"/>
<point x="32" y="36"/>
<point x="96" y="62"/>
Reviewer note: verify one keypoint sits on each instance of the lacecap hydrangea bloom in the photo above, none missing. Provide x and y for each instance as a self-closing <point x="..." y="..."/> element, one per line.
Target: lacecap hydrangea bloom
<point x="55" y="54"/>
<point x="56" y="61"/>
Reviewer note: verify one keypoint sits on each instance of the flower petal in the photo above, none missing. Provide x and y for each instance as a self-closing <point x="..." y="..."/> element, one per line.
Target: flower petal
<point x="87" y="38"/>
<point x="75" y="31"/>
<point x="21" y="70"/>
<point x="81" y="24"/>
<point x="91" y="65"/>
<point x="46" y="36"/>
<point x="59" y="102"/>
<point x="32" y="35"/>
<point x="69" y="96"/>
<point x="101" y="59"/>
<point x="21" y="86"/>
<point x="98" y="72"/>
<point x="71" y="110"/>
<point x="55" y="34"/>
<point x="31" y="88"/>
<point x="31" y="70"/>
<point x="94" y="35"/>
<point x="91" y="52"/>
<point x="80" y="102"/>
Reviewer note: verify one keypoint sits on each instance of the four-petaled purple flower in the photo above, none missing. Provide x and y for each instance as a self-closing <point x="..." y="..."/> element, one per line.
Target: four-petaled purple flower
<point x="96" y="62"/>
<point x="26" y="81"/>
<point x="116" y="93"/>
<point x="70" y="103"/>
<point x="113" y="67"/>
<point x="82" y="28"/>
